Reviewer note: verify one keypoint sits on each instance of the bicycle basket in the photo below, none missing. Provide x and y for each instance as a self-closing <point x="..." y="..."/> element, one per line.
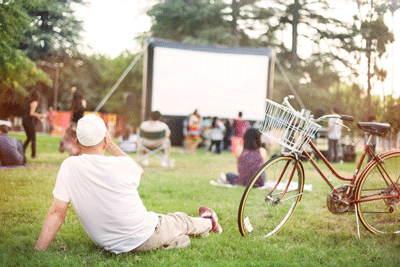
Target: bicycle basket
<point x="287" y="127"/>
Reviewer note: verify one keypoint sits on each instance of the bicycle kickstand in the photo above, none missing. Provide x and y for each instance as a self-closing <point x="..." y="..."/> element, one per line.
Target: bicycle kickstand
<point x="358" y="225"/>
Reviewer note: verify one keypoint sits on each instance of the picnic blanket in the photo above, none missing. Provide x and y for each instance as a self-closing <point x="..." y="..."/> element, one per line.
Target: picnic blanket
<point x="268" y="184"/>
<point x="212" y="182"/>
<point x="12" y="167"/>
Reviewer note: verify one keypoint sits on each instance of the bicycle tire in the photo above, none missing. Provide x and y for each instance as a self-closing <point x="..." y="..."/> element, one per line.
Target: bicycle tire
<point x="259" y="211"/>
<point x="380" y="216"/>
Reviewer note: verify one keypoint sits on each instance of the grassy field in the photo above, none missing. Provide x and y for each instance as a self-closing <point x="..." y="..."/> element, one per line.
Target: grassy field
<point x="313" y="237"/>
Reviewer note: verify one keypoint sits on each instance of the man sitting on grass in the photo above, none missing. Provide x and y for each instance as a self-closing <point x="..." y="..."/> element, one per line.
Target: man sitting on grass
<point x="11" y="149"/>
<point x="103" y="192"/>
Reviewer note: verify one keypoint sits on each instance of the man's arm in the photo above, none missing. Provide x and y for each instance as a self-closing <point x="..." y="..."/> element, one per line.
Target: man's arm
<point x="113" y="148"/>
<point x="117" y="152"/>
<point x="328" y="130"/>
<point x="54" y="219"/>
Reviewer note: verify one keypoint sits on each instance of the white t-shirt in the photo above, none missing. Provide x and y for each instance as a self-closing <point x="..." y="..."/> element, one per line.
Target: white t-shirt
<point x="218" y="132"/>
<point x="336" y="131"/>
<point x="154" y="126"/>
<point x="103" y="192"/>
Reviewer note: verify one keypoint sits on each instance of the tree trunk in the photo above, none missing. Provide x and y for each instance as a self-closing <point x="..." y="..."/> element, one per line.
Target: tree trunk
<point x="384" y="97"/>
<point x="235" y="15"/>
<point x="295" y="23"/>
<point x="369" y="75"/>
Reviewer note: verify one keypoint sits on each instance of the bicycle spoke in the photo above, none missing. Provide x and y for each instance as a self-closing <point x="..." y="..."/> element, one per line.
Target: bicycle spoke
<point x="286" y="199"/>
<point x="280" y="225"/>
<point x="262" y="212"/>
<point x="379" y="195"/>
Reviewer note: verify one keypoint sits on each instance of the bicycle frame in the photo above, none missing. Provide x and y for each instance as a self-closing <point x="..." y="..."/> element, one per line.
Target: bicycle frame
<point x="353" y="180"/>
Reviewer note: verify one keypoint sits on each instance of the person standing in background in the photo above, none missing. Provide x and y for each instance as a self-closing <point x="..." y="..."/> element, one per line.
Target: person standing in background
<point x="206" y="133"/>
<point x="185" y="130"/>
<point x="216" y="134"/>
<point x="78" y="105"/>
<point x="228" y="134"/>
<point x="29" y="121"/>
<point x="334" y="133"/>
<point x="194" y="131"/>
<point x="50" y="117"/>
<point x="240" y="126"/>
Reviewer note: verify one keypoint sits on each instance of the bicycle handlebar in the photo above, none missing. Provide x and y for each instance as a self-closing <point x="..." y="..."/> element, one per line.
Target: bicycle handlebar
<point x="286" y="102"/>
<point x="337" y="116"/>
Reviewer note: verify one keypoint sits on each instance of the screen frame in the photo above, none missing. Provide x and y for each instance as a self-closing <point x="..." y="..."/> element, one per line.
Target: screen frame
<point x="149" y="57"/>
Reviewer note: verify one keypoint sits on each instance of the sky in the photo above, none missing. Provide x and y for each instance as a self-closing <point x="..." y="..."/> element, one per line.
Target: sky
<point x="111" y="26"/>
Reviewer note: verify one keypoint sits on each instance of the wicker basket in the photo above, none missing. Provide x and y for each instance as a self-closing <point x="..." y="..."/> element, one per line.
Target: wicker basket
<point x="288" y="128"/>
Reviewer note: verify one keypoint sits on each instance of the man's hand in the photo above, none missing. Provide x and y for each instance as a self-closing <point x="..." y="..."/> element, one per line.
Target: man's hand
<point x="109" y="140"/>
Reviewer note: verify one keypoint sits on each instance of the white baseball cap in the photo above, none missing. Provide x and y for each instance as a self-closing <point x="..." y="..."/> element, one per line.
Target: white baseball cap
<point x="6" y="123"/>
<point x="91" y="130"/>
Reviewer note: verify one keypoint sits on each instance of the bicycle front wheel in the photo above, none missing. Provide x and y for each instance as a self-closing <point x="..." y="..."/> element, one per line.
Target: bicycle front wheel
<point x="264" y="211"/>
<point x="379" y="209"/>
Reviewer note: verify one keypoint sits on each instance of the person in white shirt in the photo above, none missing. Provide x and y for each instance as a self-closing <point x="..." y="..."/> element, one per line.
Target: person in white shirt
<point x="216" y="134"/>
<point x="128" y="140"/>
<point x="103" y="191"/>
<point x="334" y="133"/>
<point x="156" y="125"/>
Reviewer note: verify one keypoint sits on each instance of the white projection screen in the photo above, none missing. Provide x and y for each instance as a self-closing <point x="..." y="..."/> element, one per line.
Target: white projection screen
<point x="218" y="81"/>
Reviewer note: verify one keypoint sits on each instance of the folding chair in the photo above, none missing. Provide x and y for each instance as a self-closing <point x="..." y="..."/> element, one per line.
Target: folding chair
<point x="153" y="151"/>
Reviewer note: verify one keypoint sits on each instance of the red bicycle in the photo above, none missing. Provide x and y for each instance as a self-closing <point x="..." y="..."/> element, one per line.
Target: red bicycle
<point x="373" y="193"/>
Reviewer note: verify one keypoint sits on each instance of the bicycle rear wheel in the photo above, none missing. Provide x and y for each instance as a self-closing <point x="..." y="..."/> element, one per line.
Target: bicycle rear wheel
<point x="381" y="216"/>
<point x="265" y="211"/>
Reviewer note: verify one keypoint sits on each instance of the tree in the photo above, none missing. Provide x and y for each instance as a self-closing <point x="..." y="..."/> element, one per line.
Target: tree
<point x="34" y="31"/>
<point x="179" y="19"/>
<point x="17" y="72"/>
<point x="311" y="25"/>
<point x="392" y="116"/>
<point x="110" y="71"/>
<point x="53" y="28"/>
<point x="245" y="14"/>
<point x="207" y="22"/>
<point x="375" y="35"/>
<point x="312" y="21"/>
<point x="381" y="75"/>
<point x="80" y="71"/>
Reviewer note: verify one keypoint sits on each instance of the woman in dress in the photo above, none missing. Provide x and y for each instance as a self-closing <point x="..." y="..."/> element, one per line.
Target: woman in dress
<point x="29" y="121"/>
<point x="194" y="131"/>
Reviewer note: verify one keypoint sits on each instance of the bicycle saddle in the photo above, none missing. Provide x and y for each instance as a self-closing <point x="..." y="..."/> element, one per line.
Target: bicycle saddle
<point x="374" y="128"/>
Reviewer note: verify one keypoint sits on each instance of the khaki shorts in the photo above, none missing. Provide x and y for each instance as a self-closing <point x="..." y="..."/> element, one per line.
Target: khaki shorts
<point x="173" y="231"/>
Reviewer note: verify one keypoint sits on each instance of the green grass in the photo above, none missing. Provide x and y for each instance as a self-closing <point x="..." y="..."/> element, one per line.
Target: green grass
<point x="313" y="237"/>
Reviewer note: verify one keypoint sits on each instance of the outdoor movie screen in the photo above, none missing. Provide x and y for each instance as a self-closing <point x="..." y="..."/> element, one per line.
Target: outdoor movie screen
<point x="218" y="81"/>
